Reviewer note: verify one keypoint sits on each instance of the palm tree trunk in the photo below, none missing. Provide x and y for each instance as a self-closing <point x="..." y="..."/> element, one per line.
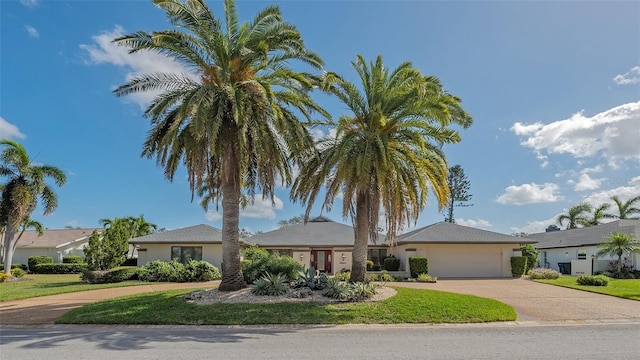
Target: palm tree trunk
<point x="232" y="278"/>
<point x="9" y="247"/>
<point x="359" y="264"/>
<point x="619" y="264"/>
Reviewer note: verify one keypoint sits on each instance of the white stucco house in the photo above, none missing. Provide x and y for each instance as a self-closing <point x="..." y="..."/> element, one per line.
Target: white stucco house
<point x="574" y="249"/>
<point x="54" y="243"/>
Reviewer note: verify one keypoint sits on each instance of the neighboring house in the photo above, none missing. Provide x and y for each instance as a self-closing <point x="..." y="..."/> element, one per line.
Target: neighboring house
<point x="573" y="251"/>
<point x="456" y="251"/>
<point x="320" y="243"/>
<point x="53" y="243"/>
<point x="200" y="242"/>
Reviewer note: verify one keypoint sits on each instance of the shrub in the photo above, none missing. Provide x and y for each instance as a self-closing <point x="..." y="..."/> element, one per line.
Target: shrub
<point x="15" y="266"/>
<point x="369" y="277"/>
<point x="175" y="271"/>
<point x="60" y="269"/>
<point x="362" y="291"/>
<point x="369" y="265"/>
<point x="37" y="260"/>
<point x="337" y="289"/>
<point x="426" y="278"/>
<point x="392" y="264"/>
<point x="531" y="254"/>
<point x="518" y="265"/>
<point x="259" y="262"/>
<point x="93" y="276"/>
<point x="307" y="278"/>
<point x="343" y="275"/>
<point x="156" y="270"/>
<point x="4" y="277"/>
<point x="543" y="273"/>
<point x="72" y="259"/>
<point x="270" y="285"/>
<point x="593" y="280"/>
<point x="200" y="270"/>
<point x="418" y="265"/>
<point x="130" y="262"/>
<point x="17" y="272"/>
<point x="385" y="276"/>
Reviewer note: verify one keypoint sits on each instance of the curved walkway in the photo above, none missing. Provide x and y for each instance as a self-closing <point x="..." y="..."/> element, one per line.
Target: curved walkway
<point x="532" y="301"/>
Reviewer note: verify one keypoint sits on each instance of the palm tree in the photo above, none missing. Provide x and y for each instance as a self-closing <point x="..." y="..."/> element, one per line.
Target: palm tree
<point x="233" y="122"/>
<point x="618" y="245"/>
<point x="386" y="153"/>
<point x="599" y="213"/>
<point x="576" y="216"/>
<point x="626" y="209"/>
<point x="26" y="183"/>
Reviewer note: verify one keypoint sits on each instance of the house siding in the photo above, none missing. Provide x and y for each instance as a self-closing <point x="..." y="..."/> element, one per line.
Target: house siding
<point x="21" y="255"/>
<point x="212" y="253"/>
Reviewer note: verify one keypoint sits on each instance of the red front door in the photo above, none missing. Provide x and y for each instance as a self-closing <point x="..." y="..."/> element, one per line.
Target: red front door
<point x="321" y="260"/>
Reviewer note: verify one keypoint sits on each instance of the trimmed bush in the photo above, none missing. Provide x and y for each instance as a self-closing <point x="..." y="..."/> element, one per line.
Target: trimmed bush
<point x="518" y="265"/>
<point x="15" y="266"/>
<point x="17" y="272"/>
<point x="37" y="260"/>
<point x="200" y="270"/>
<point x="531" y="254"/>
<point x="259" y="262"/>
<point x="59" y="269"/>
<point x="543" y="273"/>
<point x="593" y="280"/>
<point x="72" y="259"/>
<point x="392" y="264"/>
<point x="4" y="277"/>
<point x="156" y="270"/>
<point x="112" y="276"/>
<point x="418" y="265"/>
<point x="175" y="271"/>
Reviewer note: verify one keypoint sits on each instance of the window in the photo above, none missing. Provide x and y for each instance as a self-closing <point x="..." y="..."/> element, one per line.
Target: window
<point x="184" y="254"/>
<point x="377" y="255"/>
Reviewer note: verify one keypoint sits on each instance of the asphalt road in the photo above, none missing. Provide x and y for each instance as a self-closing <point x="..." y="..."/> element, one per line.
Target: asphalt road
<point x="589" y="340"/>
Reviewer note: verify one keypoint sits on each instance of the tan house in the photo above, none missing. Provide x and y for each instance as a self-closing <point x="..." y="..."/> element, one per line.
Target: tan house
<point x="54" y="243"/>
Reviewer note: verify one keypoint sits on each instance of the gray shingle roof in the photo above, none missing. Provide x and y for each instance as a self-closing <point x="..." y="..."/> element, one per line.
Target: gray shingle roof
<point x="449" y="233"/>
<point x="317" y="232"/>
<point x="592" y="235"/>
<point x="53" y="238"/>
<point x="201" y="234"/>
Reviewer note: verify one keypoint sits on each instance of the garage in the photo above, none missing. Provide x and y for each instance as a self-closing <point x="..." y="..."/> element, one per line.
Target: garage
<point x="464" y="261"/>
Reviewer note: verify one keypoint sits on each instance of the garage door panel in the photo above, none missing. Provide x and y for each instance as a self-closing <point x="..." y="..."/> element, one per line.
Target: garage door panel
<point x="464" y="262"/>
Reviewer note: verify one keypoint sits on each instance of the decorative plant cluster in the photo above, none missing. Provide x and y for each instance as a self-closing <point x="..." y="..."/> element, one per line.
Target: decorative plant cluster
<point x="308" y="278"/>
<point x="593" y="280"/>
<point x="418" y="265"/>
<point x="518" y="265"/>
<point x="426" y="278"/>
<point x="259" y="262"/>
<point x="543" y="273"/>
<point x="175" y="271"/>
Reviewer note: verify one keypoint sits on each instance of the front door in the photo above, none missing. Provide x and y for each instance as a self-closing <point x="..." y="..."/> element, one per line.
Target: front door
<point x="321" y="260"/>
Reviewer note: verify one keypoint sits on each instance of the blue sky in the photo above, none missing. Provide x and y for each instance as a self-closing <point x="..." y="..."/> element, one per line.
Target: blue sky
<point x="554" y="89"/>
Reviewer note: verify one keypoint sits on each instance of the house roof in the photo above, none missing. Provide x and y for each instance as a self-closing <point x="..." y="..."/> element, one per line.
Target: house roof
<point x="317" y="232"/>
<point x="53" y="238"/>
<point x="198" y="234"/>
<point x="593" y="235"/>
<point x="450" y="233"/>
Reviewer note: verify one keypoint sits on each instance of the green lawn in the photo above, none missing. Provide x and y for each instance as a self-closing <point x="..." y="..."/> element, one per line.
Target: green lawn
<point x="408" y="306"/>
<point x="42" y="285"/>
<point x="628" y="289"/>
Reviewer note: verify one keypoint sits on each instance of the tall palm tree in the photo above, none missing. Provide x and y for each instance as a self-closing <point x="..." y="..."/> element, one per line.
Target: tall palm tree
<point x="386" y="152"/>
<point x="26" y="183"/>
<point x="233" y="123"/>
<point x="576" y="216"/>
<point x="599" y="213"/>
<point x="619" y="244"/>
<point x="626" y="209"/>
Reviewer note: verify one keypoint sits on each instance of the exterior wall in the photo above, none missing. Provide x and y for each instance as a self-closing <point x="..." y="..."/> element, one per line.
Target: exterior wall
<point x="211" y="253"/>
<point x="303" y="257"/>
<point x="21" y="255"/>
<point x="461" y="260"/>
<point x="566" y="255"/>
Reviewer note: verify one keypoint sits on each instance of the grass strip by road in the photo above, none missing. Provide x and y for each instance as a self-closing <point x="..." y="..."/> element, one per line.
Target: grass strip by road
<point x="627" y="289"/>
<point x="407" y="306"/>
<point x="42" y="285"/>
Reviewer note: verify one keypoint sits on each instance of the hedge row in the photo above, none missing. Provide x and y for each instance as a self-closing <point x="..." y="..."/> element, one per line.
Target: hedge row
<point x="59" y="269"/>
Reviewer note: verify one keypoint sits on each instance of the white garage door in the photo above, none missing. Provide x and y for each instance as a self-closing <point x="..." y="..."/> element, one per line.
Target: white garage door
<point x="464" y="261"/>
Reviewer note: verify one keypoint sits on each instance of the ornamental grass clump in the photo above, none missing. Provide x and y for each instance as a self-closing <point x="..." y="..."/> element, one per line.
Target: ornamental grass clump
<point x="543" y="273"/>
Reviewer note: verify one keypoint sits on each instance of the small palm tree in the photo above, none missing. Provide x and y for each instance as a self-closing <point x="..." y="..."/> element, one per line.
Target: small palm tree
<point x="599" y="213"/>
<point x="26" y="183"/>
<point x="386" y="153"/>
<point x="626" y="209"/>
<point x="576" y="216"/>
<point x="619" y="244"/>
<point x="234" y="123"/>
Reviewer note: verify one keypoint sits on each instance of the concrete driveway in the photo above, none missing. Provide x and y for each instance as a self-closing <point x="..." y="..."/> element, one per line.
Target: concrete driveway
<point x="541" y="302"/>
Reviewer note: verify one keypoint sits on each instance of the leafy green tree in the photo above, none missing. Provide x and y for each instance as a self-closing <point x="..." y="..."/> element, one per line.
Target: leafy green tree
<point x="576" y="216"/>
<point x="26" y="183"/>
<point x="128" y="227"/>
<point x="459" y="187"/>
<point x="626" y="209"/>
<point x="293" y="221"/>
<point x="618" y="244"/>
<point x="386" y="152"/>
<point x="107" y="249"/>
<point x="235" y="124"/>
<point x="531" y="254"/>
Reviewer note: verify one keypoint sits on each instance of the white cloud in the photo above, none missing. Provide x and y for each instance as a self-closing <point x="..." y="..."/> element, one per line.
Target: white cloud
<point x="630" y="77"/>
<point x="260" y="209"/>
<point x="30" y="3"/>
<point x="534" y="227"/>
<point x="530" y="194"/>
<point x="33" y="32"/>
<point x="479" y="223"/>
<point x="9" y="131"/>
<point x="613" y="134"/>
<point x="103" y="50"/>
<point x="624" y="193"/>
<point x="586" y="182"/>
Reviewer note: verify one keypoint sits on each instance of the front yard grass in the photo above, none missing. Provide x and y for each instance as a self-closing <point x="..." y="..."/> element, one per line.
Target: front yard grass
<point x="43" y="285"/>
<point x="407" y="306"/>
<point x="628" y="289"/>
